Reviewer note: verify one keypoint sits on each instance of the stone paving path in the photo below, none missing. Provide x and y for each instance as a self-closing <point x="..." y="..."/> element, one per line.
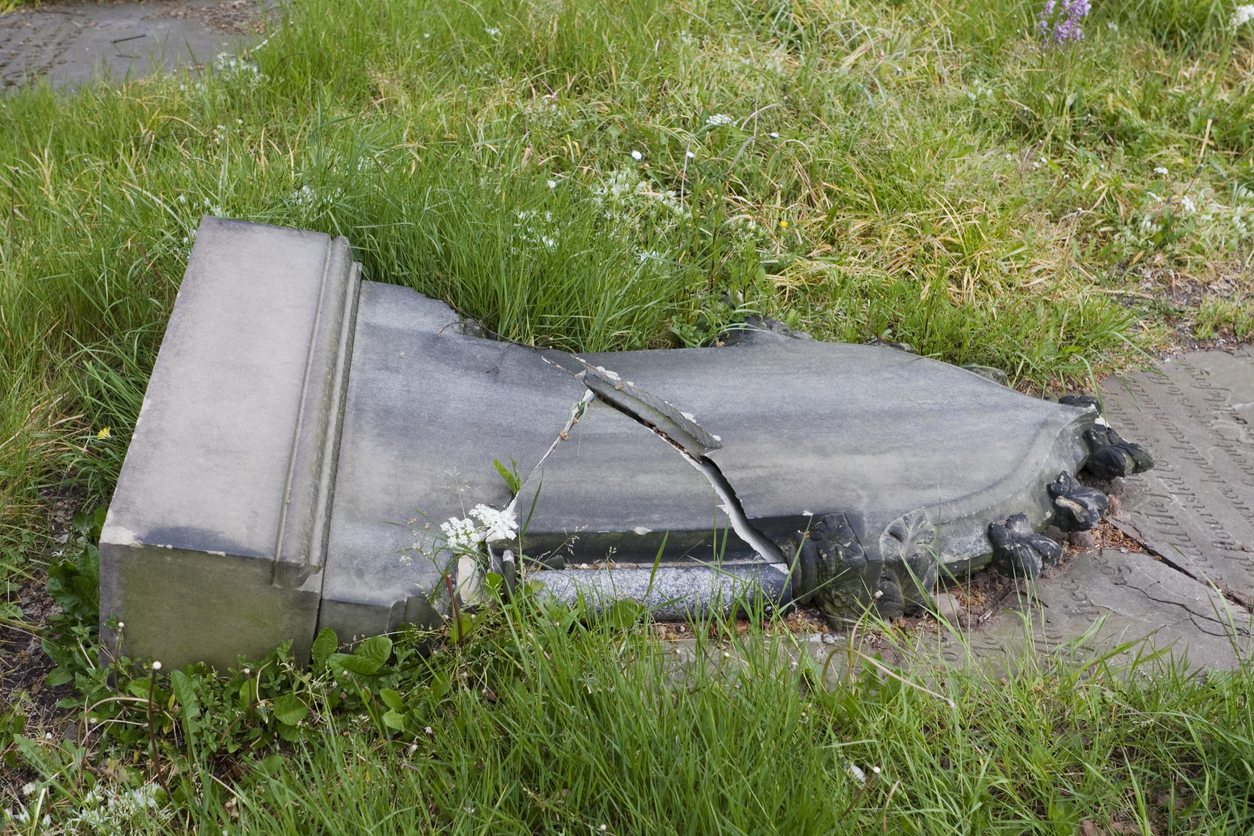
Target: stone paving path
<point x="76" y="42"/>
<point x="1192" y="587"/>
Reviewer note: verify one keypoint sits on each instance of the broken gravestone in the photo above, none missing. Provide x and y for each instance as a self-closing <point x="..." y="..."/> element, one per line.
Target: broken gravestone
<point x="306" y="434"/>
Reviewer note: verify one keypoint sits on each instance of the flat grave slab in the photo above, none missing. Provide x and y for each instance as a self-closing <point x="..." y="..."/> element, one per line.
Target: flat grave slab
<point x="1196" y="507"/>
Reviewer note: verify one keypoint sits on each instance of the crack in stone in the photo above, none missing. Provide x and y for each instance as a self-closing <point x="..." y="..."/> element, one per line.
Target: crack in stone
<point x="1229" y="595"/>
<point x="684" y="434"/>
<point x="1190" y="615"/>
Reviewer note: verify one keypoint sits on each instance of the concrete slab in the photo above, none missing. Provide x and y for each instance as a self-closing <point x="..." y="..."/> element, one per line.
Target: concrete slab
<point x="74" y="43"/>
<point x="1196" y="508"/>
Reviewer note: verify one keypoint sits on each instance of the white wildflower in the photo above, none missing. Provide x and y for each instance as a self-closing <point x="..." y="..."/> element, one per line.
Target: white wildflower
<point x="493" y="31"/>
<point x="1187" y="204"/>
<point x="636" y="155"/>
<point x="719" y="119"/>
<point x="497" y="525"/>
<point x="1242" y="15"/>
<point x="774" y="134"/>
<point x="1160" y="170"/>
<point x="552" y="184"/>
<point x="460" y="534"/>
<point x="691" y="156"/>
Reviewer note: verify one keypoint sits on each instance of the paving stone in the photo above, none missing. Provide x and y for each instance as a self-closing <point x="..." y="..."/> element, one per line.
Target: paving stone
<point x="1132" y="596"/>
<point x="73" y="43"/>
<point x="1196" y="507"/>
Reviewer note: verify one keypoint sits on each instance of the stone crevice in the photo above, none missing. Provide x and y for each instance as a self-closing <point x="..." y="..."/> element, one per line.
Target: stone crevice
<point x="689" y="439"/>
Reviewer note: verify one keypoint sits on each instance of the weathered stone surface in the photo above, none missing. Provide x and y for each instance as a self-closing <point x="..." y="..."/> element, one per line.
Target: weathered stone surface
<point x="75" y="42"/>
<point x="219" y="495"/>
<point x="671" y="593"/>
<point x="615" y="491"/>
<point x="899" y="444"/>
<point x="1132" y="596"/>
<point x="427" y="412"/>
<point x="1196" y="508"/>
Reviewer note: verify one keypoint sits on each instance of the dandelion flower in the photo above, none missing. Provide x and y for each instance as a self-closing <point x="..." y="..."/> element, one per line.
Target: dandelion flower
<point x="783" y="224"/>
<point x="104" y="433"/>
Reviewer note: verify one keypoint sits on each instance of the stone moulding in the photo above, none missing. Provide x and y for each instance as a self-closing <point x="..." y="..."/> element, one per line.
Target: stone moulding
<point x="301" y="422"/>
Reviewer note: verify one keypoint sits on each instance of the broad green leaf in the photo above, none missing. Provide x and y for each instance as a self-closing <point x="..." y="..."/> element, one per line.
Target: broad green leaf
<point x="186" y="693"/>
<point x="338" y="662"/>
<point x="392" y="700"/>
<point x="492" y="581"/>
<point x="510" y="476"/>
<point x="376" y="649"/>
<point x="394" y="720"/>
<point x="323" y="646"/>
<point x="290" y="710"/>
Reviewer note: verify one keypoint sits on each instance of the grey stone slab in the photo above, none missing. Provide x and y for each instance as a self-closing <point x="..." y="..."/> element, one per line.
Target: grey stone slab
<point x="214" y="467"/>
<point x="616" y="491"/>
<point x="427" y="412"/>
<point x="899" y="444"/>
<point x="1196" y="508"/>
<point x="77" y="42"/>
<point x="1095" y="602"/>
<point x="672" y="593"/>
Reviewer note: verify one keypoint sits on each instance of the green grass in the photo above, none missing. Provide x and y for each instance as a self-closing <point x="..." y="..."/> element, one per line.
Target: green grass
<point x="602" y="176"/>
<point x="544" y="723"/>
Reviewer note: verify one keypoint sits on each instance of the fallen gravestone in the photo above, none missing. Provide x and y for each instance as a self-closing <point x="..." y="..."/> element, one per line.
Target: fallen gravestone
<point x="306" y="435"/>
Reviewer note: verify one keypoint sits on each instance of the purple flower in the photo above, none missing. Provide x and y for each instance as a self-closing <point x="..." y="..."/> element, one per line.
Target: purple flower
<point x="1059" y="21"/>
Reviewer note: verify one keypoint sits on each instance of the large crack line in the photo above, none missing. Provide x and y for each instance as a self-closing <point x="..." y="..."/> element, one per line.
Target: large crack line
<point x="681" y="432"/>
<point x="1228" y="594"/>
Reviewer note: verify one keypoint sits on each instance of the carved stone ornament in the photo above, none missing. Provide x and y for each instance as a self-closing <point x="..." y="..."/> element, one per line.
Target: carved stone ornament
<point x="1112" y="456"/>
<point x="1020" y="551"/>
<point x="833" y="571"/>
<point x="909" y="546"/>
<point x="1076" y="508"/>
